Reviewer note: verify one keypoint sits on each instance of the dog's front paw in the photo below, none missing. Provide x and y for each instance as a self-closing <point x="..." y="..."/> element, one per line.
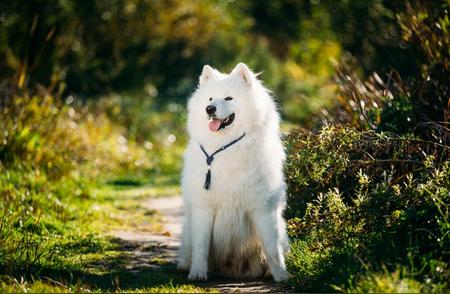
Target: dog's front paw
<point x="198" y="275"/>
<point x="280" y="275"/>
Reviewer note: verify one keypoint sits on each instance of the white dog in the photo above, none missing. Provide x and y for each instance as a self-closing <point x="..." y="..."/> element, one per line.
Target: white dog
<point x="233" y="186"/>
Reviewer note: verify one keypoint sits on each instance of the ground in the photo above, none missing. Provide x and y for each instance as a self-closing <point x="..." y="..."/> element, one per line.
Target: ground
<point x="157" y="251"/>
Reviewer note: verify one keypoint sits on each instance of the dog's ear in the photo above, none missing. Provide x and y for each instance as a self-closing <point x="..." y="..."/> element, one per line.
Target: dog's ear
<point x="244" y="73"/>
<point x="207" y="74"/>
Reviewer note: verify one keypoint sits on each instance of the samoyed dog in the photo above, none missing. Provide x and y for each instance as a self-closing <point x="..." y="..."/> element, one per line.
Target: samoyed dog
<point x="232" y="183"/>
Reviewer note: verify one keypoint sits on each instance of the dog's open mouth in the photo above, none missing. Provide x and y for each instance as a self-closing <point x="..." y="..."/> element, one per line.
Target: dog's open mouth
<point x="217" y="124"/>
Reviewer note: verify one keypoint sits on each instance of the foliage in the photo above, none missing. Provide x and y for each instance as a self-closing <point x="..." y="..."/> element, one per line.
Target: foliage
<point x="416" y="102"/>
<point x="94" y="48"/>
<point x="71" y="139"/>
<point x="369" y="209"/>
<point x="387" y="282"/>
<point x="428" y="27"/>
<point x="33" y="134"/>
<point x="53" y="156"/>
<point x="160" y="129"/>
<point x="362" y="200"/>
<point x="44" y="134"/>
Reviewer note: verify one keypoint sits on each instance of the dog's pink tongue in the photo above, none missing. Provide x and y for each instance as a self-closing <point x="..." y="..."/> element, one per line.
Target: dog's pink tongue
<point x="214" y="125"/>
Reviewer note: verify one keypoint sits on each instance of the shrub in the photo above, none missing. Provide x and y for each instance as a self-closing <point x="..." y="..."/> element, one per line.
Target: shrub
<point x="37" y="133"/>
<point x="64" y="139"/>
<point x="363" y="200"/>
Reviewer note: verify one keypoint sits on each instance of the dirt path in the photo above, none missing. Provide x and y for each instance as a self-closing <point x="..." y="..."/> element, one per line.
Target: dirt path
<point x="163" y="247"/>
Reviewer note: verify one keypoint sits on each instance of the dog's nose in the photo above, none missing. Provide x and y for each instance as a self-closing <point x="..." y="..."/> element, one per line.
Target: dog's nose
<point x="210" y="109"/>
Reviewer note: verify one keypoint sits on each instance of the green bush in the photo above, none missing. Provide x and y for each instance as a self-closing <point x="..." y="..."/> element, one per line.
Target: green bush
<point x="358" y="201"/>
<point x="36" y="134"/>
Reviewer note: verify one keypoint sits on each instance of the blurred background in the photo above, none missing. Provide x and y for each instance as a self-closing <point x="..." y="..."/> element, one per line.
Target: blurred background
<point x="95" y="92"/>
<point x="154" y="50"/>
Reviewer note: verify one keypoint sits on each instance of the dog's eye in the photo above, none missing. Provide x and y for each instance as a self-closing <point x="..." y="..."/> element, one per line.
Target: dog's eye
<point x="229" y="98"/>
<point x="210" y="99"/>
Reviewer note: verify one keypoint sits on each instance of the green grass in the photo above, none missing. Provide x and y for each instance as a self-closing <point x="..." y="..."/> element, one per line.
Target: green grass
<point x="164" y="279"/>
<point x="387" y="282"/>
<point x="56" y="287"/>
<point x="84" y="258"/>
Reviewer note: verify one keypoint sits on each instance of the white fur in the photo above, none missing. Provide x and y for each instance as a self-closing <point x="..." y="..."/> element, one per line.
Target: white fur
<point x="237" y="225"/>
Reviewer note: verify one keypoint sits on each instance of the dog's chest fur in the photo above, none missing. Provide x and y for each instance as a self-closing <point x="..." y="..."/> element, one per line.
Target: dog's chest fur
<point x="238" y="174"/>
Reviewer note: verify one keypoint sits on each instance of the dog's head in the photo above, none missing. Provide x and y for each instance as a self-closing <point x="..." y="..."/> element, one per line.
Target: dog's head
<point x="226" y="104"/>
